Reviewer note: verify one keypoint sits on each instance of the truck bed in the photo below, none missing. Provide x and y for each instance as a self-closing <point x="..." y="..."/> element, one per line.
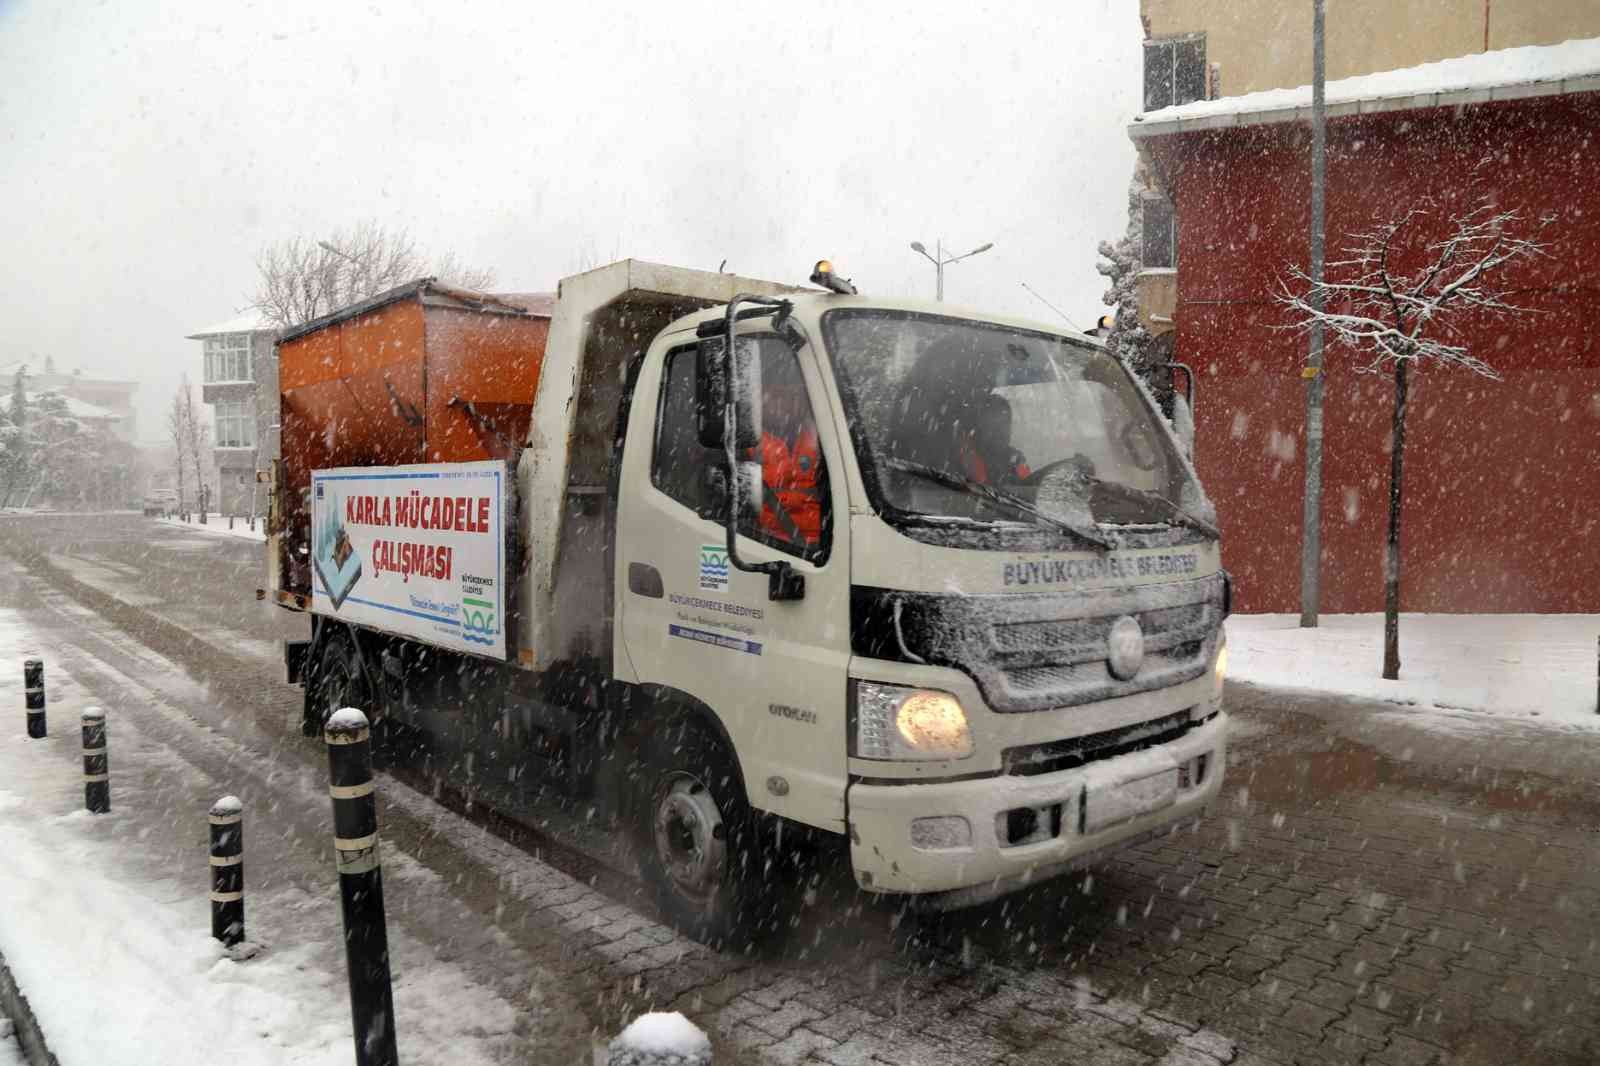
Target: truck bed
<point x="424" y="373"/>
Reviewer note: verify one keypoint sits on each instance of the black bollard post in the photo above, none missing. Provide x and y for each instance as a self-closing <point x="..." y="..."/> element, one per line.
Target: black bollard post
<point x="96" y="767"/>
<point x="366" y="940"/>
<point x="227" y="870"/>
<point x="33" y="684"/>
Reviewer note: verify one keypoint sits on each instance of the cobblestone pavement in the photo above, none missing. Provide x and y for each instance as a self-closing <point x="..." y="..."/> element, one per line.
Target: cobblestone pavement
<point x="1367" y="891"/>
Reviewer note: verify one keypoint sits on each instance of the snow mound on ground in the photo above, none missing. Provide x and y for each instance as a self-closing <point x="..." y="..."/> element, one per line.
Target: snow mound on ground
<point x="1536" y="669"/>
<point x="663" y="1033"/>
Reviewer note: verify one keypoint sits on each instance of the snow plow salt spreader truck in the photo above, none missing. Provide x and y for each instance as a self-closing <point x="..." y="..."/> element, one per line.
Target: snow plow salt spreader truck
<point x="726" y="556"/>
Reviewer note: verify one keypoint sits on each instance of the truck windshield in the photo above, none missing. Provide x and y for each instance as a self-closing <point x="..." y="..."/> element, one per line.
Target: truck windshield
<point x="967" y="421"/>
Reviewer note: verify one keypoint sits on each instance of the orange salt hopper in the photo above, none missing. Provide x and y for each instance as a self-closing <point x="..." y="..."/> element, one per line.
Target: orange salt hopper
<point x="423" y="373"/>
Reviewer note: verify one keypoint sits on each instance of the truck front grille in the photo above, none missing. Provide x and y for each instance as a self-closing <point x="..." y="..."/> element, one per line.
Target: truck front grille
<point x="1038" y="662"/>
<point x="1041" y="651"/>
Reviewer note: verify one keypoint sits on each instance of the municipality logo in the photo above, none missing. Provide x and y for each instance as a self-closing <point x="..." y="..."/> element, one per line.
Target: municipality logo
<point x="713" y="568"/>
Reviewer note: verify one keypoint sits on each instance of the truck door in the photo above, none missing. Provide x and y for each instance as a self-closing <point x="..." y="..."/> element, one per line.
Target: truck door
<point x="774" y="673"/>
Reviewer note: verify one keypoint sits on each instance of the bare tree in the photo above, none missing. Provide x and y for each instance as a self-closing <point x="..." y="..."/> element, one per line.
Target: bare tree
<point x="178" y="428"/>
<point x="304" y="278"/>
<point x="1397" y="315"/>
<point x="195" y="435"/>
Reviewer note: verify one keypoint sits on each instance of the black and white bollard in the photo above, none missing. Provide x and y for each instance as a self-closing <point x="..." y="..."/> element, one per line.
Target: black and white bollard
<point x="33" y="685"/>
<point x="96" y="767"/>
<point x="355" y="840"/>
<point x="227" y="870"/>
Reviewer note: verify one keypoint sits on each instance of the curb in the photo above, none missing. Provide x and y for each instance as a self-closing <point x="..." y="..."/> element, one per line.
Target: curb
<point x="15" y="1006"/>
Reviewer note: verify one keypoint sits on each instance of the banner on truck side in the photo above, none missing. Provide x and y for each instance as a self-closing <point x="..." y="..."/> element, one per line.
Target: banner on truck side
<point x="414" y="550"/>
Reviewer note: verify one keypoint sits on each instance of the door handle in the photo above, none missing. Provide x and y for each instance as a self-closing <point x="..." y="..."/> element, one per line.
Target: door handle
<point x="645" y="580"/>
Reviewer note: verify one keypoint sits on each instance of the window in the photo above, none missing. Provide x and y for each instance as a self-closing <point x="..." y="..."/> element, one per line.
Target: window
<point x="676" y="466"/>
<point x="228" y="357"/>
<point x="1159" y="232"/>
<point x="1174" y="71"/>
<point x="236" y="424"/>
<point x="795" y="515"/>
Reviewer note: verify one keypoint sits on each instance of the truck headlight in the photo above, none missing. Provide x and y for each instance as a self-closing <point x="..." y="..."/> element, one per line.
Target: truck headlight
<point x="896" y="722"/>
<point x="1219" y="672"/>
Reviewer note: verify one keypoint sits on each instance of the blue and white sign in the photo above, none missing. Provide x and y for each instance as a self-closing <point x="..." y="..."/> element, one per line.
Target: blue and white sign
<point x="418" y="551"/>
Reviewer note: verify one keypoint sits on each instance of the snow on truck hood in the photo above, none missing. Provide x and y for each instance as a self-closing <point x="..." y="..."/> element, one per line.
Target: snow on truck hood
<point x="883" y="558"/>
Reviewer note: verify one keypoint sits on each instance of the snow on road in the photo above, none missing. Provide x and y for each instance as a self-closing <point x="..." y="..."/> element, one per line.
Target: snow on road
<point x="1462" y="671"/>
<point x="111" y="943"/>
<point x="217" y="525"/>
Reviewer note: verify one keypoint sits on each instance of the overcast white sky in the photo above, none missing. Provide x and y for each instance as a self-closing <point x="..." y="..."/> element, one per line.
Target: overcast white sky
<point x="148" y="150"/>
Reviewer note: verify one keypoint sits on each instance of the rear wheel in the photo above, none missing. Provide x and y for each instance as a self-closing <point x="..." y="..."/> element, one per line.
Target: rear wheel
<point x="698" y="842"/>
<point x="337" y="683"/>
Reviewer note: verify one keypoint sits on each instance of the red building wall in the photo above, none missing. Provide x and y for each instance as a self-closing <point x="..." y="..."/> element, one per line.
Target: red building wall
<point x="1502" y="479"/>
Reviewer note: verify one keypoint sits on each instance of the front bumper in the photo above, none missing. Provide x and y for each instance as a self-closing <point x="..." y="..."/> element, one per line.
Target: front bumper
<point x="1105" y="803"/>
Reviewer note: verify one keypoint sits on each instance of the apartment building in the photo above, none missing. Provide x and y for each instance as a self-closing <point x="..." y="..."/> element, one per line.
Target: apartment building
<point x="239" y="381"/>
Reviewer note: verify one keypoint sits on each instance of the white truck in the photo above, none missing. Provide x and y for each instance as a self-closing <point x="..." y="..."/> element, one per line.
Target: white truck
<point x="938" y="583"/>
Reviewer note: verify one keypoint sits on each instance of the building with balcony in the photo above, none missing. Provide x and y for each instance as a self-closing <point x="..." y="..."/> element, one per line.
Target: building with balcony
<point x="1437" y="102"/>
<point x="239" y="381"/>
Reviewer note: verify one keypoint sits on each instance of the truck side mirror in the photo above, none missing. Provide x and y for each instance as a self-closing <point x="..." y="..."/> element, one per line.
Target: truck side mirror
<point x="1183" y="424"/>
<point x="714" y="385"/>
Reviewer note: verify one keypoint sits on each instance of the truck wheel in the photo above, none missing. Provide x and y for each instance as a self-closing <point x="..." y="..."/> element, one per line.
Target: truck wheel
<point x="338" y="683"/>
<point x="697" y="838"/>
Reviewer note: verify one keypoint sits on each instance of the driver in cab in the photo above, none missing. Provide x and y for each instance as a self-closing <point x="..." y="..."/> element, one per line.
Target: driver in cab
<point x="984" y="450"/>
<point x="793" y="477"/>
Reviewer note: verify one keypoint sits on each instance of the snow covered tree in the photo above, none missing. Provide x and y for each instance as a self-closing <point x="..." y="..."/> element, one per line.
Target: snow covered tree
<point x="70" y="455"/>
<point x="1395" y="300"/>
<point x="303" y="278"/>
<point x="15" y="442"/>
<point x="1128" y="339"/>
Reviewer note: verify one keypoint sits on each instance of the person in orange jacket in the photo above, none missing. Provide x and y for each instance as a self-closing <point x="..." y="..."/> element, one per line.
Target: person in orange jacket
<point x="794" y="478"/>
<point x="985" y="452"/>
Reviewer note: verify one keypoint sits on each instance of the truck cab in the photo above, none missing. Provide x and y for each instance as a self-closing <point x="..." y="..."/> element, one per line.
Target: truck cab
<point x="997" y="647"/>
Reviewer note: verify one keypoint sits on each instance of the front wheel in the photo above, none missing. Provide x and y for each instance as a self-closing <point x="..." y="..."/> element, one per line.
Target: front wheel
<point x="697" y="838"/>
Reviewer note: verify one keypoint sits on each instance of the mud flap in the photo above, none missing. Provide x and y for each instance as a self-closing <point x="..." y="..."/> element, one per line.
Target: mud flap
<point x="294" y="661"/>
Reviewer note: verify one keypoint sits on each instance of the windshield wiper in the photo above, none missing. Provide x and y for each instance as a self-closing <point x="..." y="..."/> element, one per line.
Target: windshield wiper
<point x="1004" y="499"/>
<point x="1176" y="514"/>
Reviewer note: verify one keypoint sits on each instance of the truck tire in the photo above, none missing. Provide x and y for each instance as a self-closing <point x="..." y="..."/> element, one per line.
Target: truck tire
<point x="697" y="839"/>
<point x="338" y="682"/>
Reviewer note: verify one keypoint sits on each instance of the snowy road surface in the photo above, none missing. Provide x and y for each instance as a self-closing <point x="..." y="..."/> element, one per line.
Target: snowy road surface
<point x="1371" y="890"/>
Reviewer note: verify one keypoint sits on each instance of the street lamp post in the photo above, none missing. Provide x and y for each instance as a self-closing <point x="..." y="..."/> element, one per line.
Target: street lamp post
<point x="939" y="261"/>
